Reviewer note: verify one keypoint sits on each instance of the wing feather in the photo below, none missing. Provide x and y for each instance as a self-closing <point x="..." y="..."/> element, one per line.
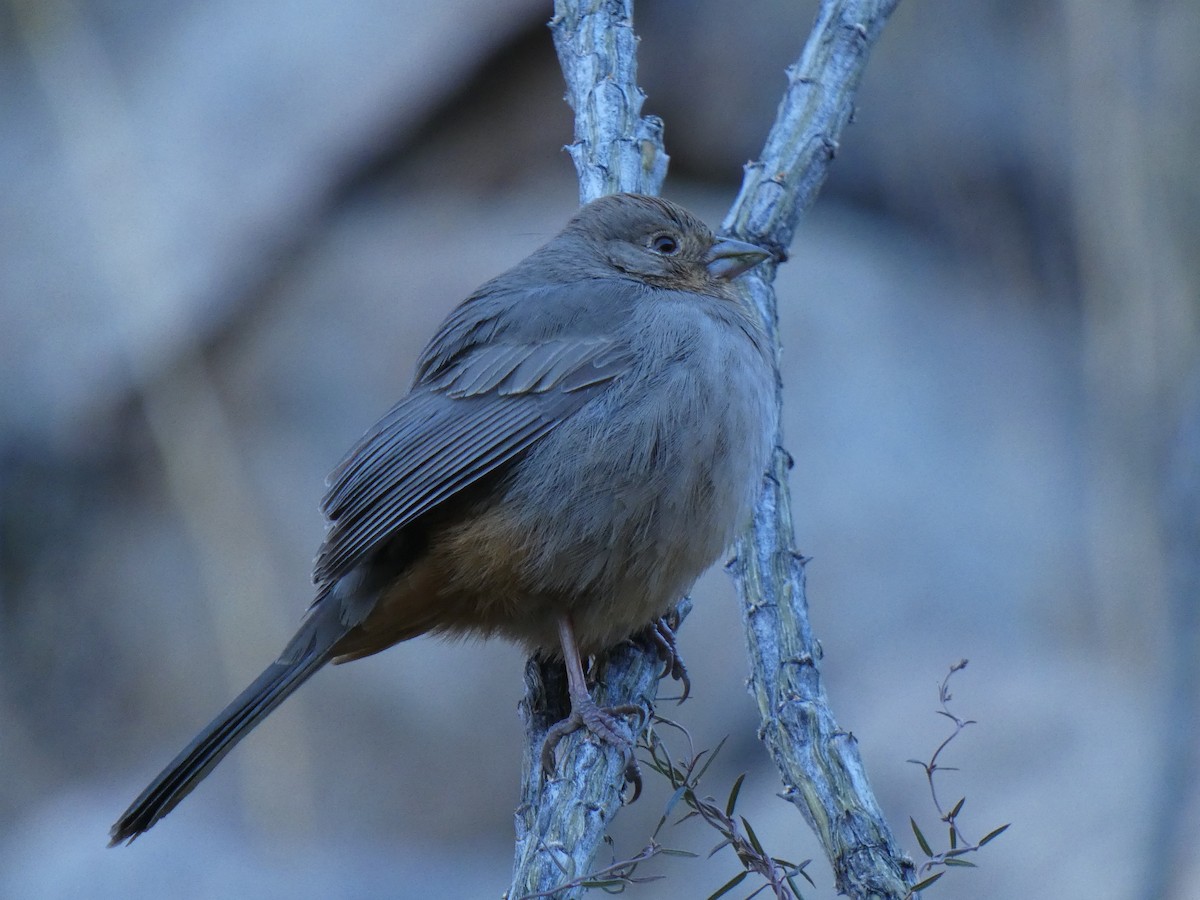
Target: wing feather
<point x="479" y="413"/>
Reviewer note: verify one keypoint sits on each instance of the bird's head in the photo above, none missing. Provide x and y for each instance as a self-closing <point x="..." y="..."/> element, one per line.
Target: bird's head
<point x="662" y="244"/>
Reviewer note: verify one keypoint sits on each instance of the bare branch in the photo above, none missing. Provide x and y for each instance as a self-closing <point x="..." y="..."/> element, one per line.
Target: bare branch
<point x="562" y="820"/>
<point x="814" y="111"/>
<point x="822" y="771"/>
<point x="616" y="149"/>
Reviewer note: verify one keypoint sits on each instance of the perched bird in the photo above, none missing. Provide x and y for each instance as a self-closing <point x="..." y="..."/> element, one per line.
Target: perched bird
<point x="584" y="436"/>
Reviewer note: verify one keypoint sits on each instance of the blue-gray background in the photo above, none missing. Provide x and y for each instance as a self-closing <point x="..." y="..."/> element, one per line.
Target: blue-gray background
<point x="227" y="228"/>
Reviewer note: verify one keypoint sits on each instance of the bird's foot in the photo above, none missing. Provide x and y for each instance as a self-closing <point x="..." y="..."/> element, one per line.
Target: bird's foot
<point x="661" y="636"/>
<point x="605" y="724"/>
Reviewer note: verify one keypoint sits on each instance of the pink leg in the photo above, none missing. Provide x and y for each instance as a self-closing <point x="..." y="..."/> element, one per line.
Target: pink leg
<point x="602" y="722"/>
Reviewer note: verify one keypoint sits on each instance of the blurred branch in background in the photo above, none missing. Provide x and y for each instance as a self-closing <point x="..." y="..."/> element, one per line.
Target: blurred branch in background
<point x="1134" y="189"/>
<point x="1171" y="846"/>
<point x="1137" y="295"/>
<point x="184" y="412"/>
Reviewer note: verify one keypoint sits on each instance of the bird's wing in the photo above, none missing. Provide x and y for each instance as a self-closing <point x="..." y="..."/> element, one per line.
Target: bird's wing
<point x="470" y="417"/>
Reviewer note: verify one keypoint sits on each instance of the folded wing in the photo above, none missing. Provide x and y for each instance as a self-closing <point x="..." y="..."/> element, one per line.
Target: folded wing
<point x="472" y="416"/>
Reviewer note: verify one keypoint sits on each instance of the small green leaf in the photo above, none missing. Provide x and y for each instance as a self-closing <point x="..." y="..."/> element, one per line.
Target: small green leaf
<point x="960" y="862"/>
<point x="725" y="843"/>
<point x="803" y="872"/>
<point x="675" y="798"/>
<point x="753" y="837"/>
<point x="957" y="809"/>
<point x="921" y="885"/>
<point x="925" y="848"/>
<point x="708" y="762"/>
<point x="795" y="890"/>
<point x="733" y="794"/>
<point x="687" y="854"/>
<point x="729" y="885"/>
<point x="953" y="837"/>
<point x="993" y="834"/>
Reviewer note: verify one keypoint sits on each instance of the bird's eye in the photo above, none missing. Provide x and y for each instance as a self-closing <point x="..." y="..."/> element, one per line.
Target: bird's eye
<point x="665" y="244"/>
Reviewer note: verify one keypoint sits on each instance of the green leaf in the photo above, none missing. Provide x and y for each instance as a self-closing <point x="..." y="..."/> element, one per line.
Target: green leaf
<point x="957" y="808"/>
<point x="953" y="837"/>
<point x="961" y="862"/>
<point x="733" y="794"/>
<point x="729" y="885"/>
<point x="675" y="798"/>
<point x="925" y="848"/>
<point x="921" y="885"/>
<point x="795" y="890"/>
<point x="993" y="834"/>
<point x="687" y="854"/>
<point x="725" y="843"/>
<point x="753" y="837"/>
<point x="708" y="762"/>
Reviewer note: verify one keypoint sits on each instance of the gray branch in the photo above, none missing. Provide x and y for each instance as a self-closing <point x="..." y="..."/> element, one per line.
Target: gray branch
<point x="822" y="771"/>
<point x="562" y="819"/>
<point x="616" y="148"/>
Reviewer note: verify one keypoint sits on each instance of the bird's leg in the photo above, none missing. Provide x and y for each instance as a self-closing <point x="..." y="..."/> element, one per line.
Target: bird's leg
<point x="661" y="636"/>
<point x="600" y="721"/>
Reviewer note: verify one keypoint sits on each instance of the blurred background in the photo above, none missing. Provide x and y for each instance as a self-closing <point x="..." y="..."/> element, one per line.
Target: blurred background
<point x="227" y="229"/>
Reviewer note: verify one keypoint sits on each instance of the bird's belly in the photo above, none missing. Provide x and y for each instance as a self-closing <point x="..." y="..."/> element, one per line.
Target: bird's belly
<point x="622" y="516"/>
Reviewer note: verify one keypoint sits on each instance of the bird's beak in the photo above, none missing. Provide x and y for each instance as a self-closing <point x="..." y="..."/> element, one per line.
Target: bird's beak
<point x="729" y="258"/>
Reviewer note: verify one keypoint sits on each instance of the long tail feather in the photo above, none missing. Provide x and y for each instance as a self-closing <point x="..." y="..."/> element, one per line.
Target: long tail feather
<point x="304" y="656"/>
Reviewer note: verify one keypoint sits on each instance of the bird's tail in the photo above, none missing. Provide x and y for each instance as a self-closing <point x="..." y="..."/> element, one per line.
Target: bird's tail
<point x="306" y="653"/>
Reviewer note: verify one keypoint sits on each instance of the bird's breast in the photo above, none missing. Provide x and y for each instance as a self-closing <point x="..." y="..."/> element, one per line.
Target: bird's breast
<point x="618" y="510"/>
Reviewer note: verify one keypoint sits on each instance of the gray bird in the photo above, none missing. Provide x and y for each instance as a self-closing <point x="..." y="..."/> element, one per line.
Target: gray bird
<point x="585" y="434"/>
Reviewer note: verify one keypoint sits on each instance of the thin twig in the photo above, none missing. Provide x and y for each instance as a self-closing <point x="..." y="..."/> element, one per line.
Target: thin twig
<point x="959" y="844"/>
<point x="932" y="766"/>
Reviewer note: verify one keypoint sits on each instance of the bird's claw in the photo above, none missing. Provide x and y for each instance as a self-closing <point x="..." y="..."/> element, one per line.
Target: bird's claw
<point x="662" y="637"/>
<point x="603" y="723"/>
